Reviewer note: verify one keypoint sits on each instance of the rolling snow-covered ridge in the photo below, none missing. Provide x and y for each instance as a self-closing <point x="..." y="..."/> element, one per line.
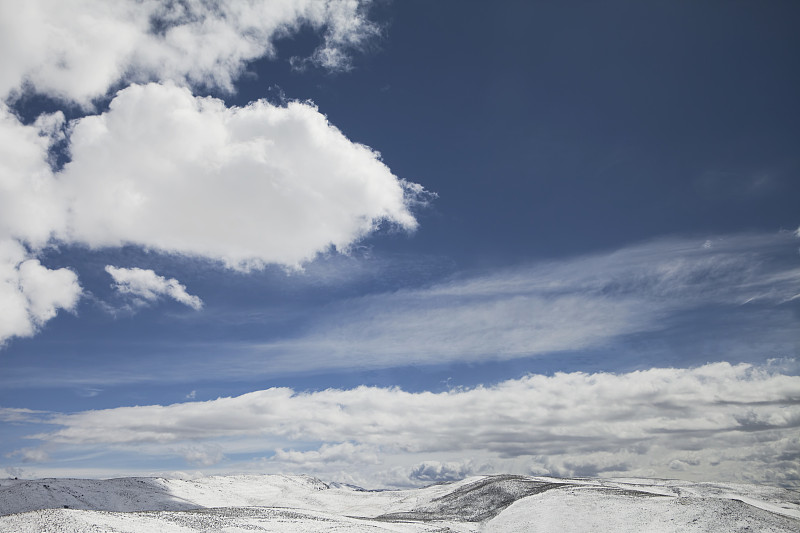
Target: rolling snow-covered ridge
<point x="485" y="503"/>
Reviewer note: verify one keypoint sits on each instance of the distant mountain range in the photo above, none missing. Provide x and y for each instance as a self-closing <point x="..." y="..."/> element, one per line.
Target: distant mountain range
<point x="501" y="503"/>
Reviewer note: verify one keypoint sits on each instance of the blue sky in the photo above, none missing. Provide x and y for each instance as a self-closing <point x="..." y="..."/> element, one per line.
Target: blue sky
<point x="397" y="242"/>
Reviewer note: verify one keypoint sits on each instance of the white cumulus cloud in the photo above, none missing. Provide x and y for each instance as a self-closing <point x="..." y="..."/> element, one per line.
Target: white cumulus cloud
<point x="247" y="186"/>
<point x="148" y="286"/>
<point x="30" y="207"/>
<point x="31" y="294"/>
<point x="76" y="49"/>
<point x="164" y="169"/>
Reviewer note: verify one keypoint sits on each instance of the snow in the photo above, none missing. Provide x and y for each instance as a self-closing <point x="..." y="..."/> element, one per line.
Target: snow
<point x="501" y="503"/>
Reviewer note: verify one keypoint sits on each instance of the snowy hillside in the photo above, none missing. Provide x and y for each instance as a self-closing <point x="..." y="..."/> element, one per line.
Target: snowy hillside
<point x="301" y="503"/>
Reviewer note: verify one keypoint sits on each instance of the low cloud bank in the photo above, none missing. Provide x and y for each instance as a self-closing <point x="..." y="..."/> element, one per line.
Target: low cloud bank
<point x="718" y="421"/>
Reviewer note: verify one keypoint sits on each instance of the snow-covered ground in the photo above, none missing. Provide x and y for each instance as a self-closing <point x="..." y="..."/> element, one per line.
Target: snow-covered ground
<point x="301" y="503"/>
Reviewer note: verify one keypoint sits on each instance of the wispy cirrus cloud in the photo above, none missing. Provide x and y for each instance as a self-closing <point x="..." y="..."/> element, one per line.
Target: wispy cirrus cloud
<point x="585" y="302"/>
<point x="729" y="422"/>
<point x="18" y="414"/>
<point x="29" y="455"/>
<point x="685" y="301"/>
<point x="681" y="301"/>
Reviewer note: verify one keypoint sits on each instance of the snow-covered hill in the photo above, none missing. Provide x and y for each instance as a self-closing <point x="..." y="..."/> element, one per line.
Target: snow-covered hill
<point x="301" y="503"/>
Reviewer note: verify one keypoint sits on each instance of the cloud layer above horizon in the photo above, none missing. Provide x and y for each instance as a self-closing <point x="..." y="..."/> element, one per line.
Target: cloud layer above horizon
<point x="166" y="170"/>
<point x="721" y="421"/>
